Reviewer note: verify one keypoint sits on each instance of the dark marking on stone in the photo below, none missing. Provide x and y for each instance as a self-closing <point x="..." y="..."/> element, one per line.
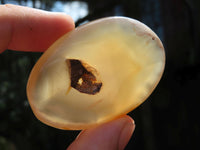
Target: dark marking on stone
<point x="81" y="79"/>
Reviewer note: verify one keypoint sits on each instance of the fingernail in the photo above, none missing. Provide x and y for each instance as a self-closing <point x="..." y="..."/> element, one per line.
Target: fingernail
<point x="126" y="133"/>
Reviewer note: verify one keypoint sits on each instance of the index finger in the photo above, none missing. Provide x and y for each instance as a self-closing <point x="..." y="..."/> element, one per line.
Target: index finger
<point x="29" y="29"/>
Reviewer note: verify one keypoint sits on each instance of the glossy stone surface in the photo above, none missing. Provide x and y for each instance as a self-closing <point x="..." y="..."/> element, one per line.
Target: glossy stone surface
<point x="121" y="60"/>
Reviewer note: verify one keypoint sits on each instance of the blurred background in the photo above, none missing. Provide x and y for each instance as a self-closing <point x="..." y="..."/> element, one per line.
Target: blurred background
<point x="169" y="119"/>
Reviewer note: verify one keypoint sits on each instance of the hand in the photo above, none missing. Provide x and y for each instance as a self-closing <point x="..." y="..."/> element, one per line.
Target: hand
<point x="28" y="29"/>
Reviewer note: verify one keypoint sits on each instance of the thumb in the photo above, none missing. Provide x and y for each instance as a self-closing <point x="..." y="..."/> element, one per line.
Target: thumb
<point x="113" y="135"/>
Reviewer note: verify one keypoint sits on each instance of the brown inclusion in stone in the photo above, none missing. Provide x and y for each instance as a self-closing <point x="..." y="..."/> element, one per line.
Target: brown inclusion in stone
<point x="81" y="79"/>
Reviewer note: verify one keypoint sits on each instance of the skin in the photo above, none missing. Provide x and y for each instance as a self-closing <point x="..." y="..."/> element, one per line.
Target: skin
<point x="28" y="29"/>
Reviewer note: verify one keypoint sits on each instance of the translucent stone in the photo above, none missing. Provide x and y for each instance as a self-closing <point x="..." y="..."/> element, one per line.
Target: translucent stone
<point x="96" y="73"/>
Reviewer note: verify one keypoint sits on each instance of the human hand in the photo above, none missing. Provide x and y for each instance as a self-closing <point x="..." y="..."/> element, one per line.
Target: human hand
<point x="28" y="29"/>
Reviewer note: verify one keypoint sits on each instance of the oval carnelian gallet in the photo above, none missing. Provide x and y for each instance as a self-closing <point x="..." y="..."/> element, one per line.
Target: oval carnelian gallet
<point x="96" y="73"/>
